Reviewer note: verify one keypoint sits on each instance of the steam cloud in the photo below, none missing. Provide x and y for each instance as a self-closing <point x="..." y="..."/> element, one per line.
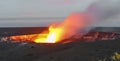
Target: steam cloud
<point x="82" y="22"/>
<point x="104" y="9"/>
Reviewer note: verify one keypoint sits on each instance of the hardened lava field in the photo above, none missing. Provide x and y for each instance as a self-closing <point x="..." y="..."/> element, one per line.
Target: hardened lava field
<point x="99" y="45"/>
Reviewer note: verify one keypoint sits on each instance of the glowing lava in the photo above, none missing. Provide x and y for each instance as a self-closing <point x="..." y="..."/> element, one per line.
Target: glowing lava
<point x="52" y="37"/>
<point x="58" y="32"/>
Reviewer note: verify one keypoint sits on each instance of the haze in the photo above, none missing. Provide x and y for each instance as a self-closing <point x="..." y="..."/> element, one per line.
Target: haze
<point x="32" y="13"/>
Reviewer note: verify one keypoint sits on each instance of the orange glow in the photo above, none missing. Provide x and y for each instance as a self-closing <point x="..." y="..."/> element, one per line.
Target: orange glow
<point x="52" y="37"/>
<point x="42" y="38"/>
<point x="73" y="24"/>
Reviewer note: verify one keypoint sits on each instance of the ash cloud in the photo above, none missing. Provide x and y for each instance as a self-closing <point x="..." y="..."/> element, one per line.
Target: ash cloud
<point x="101" y="11"/>
<point x="82" y="22"/>
<point x="104" y="9"/>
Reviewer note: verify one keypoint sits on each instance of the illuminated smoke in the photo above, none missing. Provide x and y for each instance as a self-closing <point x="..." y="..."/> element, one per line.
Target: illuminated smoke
<point x="82" y="22"/>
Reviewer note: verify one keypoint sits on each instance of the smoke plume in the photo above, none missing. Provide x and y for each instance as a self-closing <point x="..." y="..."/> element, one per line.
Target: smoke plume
<point x="82" y="22"/>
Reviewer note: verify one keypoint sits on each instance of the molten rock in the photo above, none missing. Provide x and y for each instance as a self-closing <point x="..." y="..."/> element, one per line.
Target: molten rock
<point x="89" y="37"/>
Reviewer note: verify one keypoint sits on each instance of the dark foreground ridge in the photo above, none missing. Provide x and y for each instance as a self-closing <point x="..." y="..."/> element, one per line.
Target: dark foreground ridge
<point x="85" y="51"/>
